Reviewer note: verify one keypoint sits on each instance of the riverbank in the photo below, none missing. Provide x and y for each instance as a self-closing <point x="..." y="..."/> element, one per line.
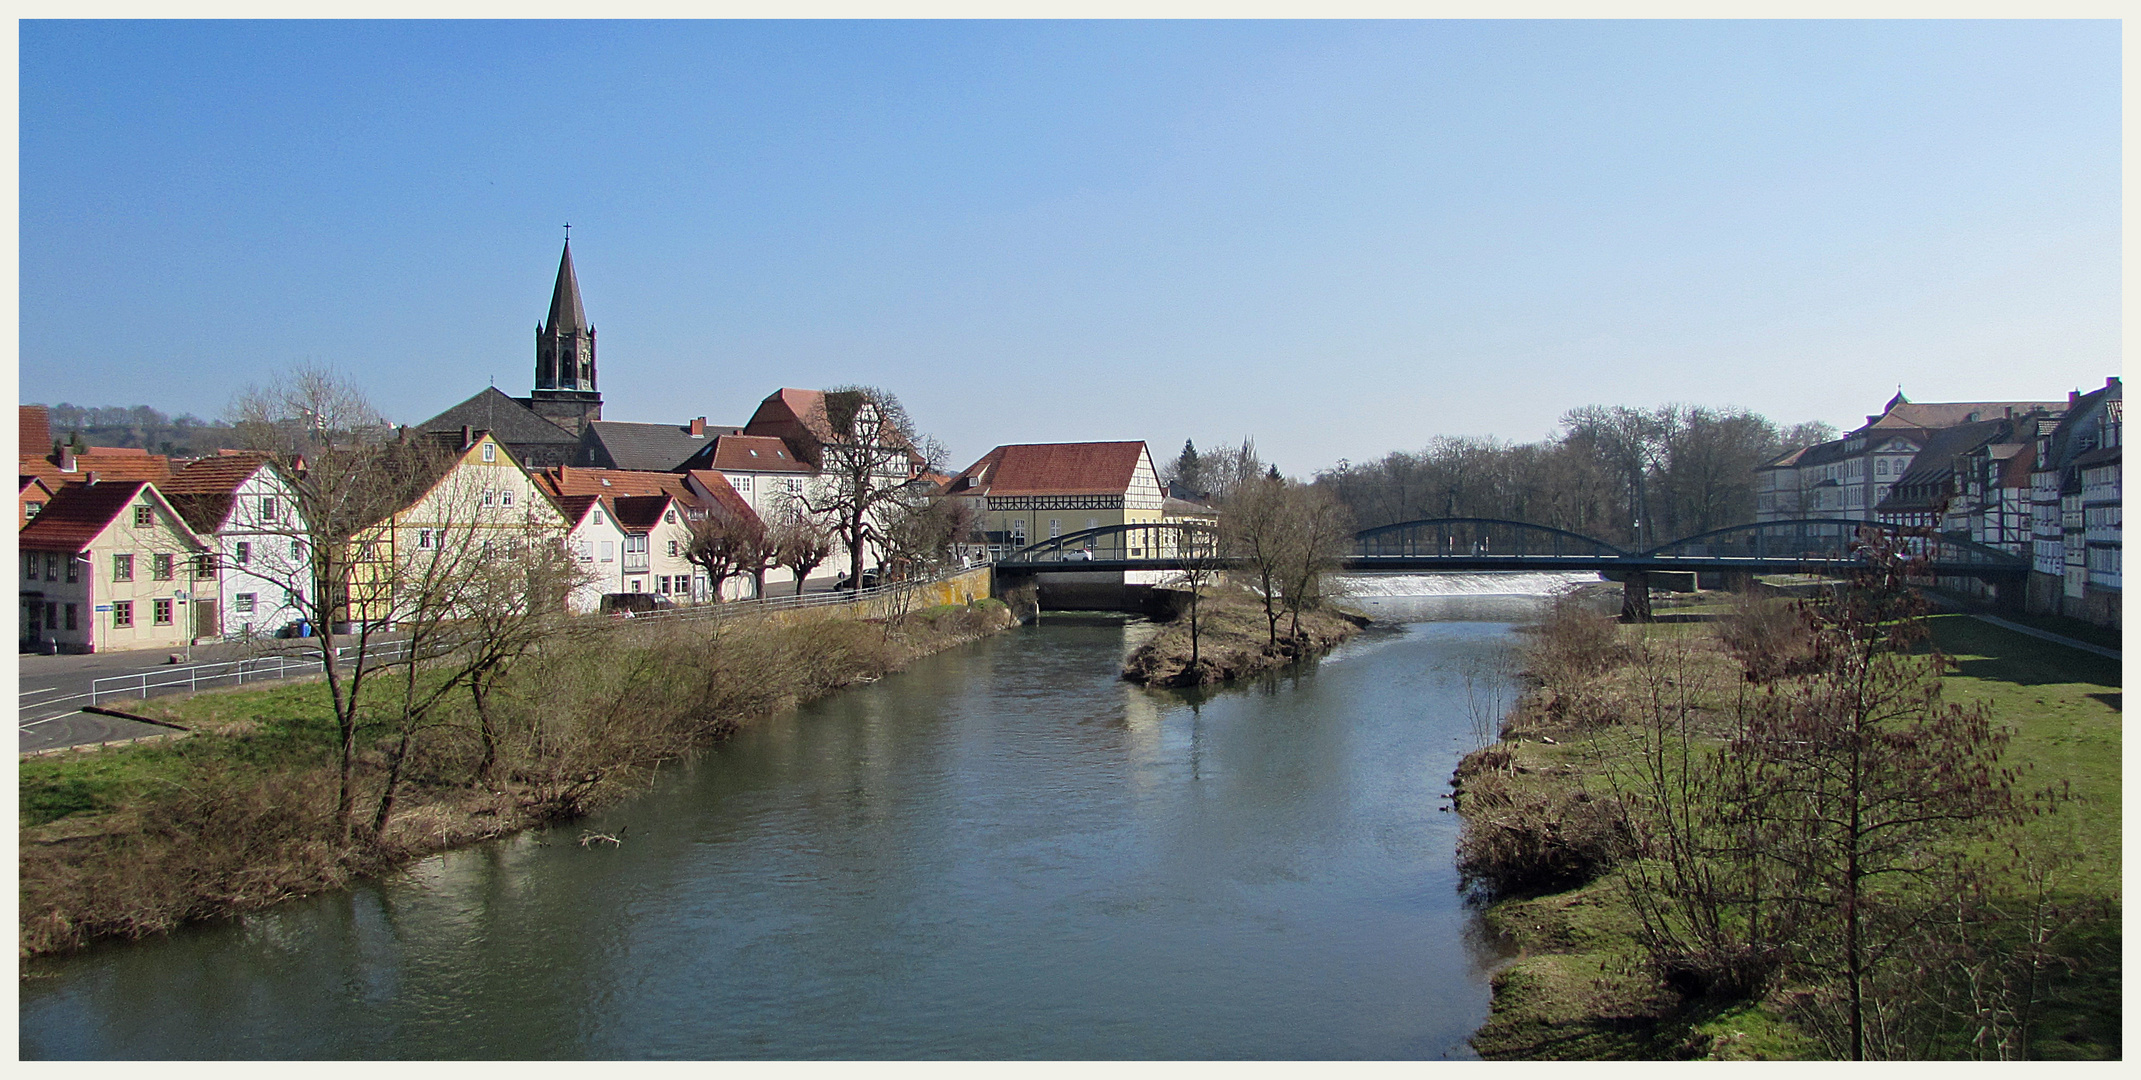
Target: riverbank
<point x="135" y="840"/>
<point x="1234" y="641"/>
<point x="1546" y="847"/>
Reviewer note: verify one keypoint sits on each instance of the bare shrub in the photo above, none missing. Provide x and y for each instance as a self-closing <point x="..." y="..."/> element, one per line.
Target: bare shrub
<point x="1523" y="836"/>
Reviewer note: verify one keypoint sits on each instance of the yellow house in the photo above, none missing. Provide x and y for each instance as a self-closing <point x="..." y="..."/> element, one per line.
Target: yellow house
<point x="466" y="500"/>
<point x="1031" y="492"/>
<point x="110" y="566"/>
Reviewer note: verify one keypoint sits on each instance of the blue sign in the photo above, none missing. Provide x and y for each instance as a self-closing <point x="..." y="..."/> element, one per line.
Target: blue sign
<point x="104" y="607"/>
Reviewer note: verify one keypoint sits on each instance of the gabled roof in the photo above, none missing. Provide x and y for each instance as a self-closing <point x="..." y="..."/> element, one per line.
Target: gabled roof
<point x="507" y="420"/>
<point x="639" y="513"/>
<point x="1053" y="469"/>
<point x="36" y="429"/>
<point x="791" y="414"/>
<point x="644" y="447"/>
<point x="206" y="489"/>
<point x="573" y="508"/>
<point x="79" y="512"/>
<point x="748" y="453"/>
<point x="711" y="485"/>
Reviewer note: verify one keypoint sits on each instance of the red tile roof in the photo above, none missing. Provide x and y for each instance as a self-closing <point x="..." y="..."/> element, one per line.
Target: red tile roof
<point x="78" y="513"/>
<point x="223" y="474"/>
<point x="574" y="507"/>
<point x="36" y="430"/>
<point x="754" y="453"/>
<point x="639" y="513"/>
<point x="724" y="494"/>
<point x="1945" y="414"/>
<point x="609" y="483"/>
<point x="1054" y="469"/>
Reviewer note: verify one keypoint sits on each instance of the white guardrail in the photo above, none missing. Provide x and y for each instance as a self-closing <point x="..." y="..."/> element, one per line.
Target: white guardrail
<point x="288" y="665"/>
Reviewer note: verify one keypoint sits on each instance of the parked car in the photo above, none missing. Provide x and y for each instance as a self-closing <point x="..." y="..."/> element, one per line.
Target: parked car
<point x="1078" y="555"/>
<point x="634" y="603"/>
<point x="869" y="580"/>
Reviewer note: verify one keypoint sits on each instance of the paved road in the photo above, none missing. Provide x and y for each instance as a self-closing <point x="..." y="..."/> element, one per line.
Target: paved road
<point x="54" y="689"/>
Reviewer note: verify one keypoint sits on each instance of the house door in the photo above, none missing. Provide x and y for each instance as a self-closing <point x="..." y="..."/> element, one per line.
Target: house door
<point x="204" y="616"/>
<point x="33" y="621"/>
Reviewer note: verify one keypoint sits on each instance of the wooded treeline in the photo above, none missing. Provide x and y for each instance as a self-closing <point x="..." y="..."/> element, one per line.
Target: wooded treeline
<point x="184" y="435"/>
<point x="1632" y="477"/>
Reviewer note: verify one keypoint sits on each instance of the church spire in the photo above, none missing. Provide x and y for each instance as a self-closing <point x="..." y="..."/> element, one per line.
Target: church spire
<point x="566" y="313"/>
<point x="565" y="343"/>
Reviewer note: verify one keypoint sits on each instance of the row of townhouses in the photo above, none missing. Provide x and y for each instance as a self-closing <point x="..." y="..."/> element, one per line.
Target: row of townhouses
<point x="2036" y="479"/>
<point x="125" y="549"/>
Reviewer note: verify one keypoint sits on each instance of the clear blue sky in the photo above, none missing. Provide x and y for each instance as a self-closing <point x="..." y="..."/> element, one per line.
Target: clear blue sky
<point x="1342" y="238"/>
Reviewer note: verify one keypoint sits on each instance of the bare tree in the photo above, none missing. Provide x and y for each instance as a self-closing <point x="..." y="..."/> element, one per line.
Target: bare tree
<point x="727" y="545"/>
<point x="799" y="545"/>
<point x="1320" y="536"/>
<point x="922" y="536"/>
<point x="1253" y="524"/>
<point x="328" y="443"/>
<point x="867" y="452"/>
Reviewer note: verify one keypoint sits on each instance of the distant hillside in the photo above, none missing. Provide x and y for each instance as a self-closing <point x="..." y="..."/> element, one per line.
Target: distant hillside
<point x="184" y="435"/>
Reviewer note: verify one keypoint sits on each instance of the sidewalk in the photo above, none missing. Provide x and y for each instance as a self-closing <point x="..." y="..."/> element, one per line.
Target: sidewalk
<point x="2047" y="635"/>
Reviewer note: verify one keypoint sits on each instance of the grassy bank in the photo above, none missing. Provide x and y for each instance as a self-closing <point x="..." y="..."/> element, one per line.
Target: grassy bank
<point x="1233" y="641"/>
<point x="134" y="840"/>
<point x="1546" y="846"/>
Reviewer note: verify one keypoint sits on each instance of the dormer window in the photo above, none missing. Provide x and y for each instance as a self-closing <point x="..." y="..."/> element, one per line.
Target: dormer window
<point x="490" y="452"/>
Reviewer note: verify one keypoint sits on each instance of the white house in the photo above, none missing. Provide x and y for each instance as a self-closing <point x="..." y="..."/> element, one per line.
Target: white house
<point x="262" y="574"/>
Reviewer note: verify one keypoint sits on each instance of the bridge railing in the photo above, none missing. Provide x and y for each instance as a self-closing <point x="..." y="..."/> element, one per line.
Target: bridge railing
<point x="1478" y="537"/>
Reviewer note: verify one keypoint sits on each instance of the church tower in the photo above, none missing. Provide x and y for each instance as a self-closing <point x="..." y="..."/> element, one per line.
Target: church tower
<point x="565" y="391"/>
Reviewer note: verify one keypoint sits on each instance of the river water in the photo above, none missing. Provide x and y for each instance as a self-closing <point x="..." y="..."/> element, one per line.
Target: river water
<point x="1003" y="852"/>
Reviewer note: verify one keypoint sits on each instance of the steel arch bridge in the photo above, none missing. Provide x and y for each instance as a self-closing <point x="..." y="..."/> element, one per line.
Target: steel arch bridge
<point x="1818" y="545"/>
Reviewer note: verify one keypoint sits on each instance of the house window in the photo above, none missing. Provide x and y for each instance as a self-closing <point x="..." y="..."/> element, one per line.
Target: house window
<point x="672" y="549"/>
<point x="1055" y="527"/>
<point x="122" y="613"/>
<point x="490" y="497"/>
<point x="490" y="452"/>
<point x="670" y="517"/>
<point x="204" y="566"/>
<point x="609" y="551"/>
<point x="74" y="568"/>
<point x="29" y="569"/>
<point x="505" y="498"/>
<point x="123" y="569"/>
<point x="29" y="510"/>
<point x="598" y="515"/>
<point x="423" y="538"/>
<point x="635" y="544"/>
<point x="267" y="509"/>
<point x="51" y="566"/>
<point x="661" y="584"/>
<point x="160" y="567"/>
<point x="244" y="603"/>
<point x="244" y="553"/>
<point x="163" y="612"/>
<point x="144" y="517"/>
<point x="70" y="616"/>
<point x="1018" y="531"/>
<point x="639" y="584"/>
<point x="742" y="484"/>
<point x="794" y="485"/>
<point x="297" y="551"/>
<point x="585" y="548"/>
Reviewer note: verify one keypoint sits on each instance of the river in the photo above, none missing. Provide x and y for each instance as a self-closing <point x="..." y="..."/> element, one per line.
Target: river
<point x="1003" y="852"/>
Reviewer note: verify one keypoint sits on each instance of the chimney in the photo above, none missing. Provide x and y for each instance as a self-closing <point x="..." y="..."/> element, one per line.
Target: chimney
<point x="468" y="435"/>
<point x="2072" y="397"/>
<point x="698" y="428"/>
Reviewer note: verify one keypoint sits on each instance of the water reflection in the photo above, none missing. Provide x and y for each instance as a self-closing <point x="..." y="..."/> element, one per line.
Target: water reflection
<point x="1005" y="852"/>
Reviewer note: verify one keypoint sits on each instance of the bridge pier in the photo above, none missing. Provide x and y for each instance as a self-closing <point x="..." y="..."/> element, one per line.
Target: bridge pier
<point x="1635" y="596"/>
